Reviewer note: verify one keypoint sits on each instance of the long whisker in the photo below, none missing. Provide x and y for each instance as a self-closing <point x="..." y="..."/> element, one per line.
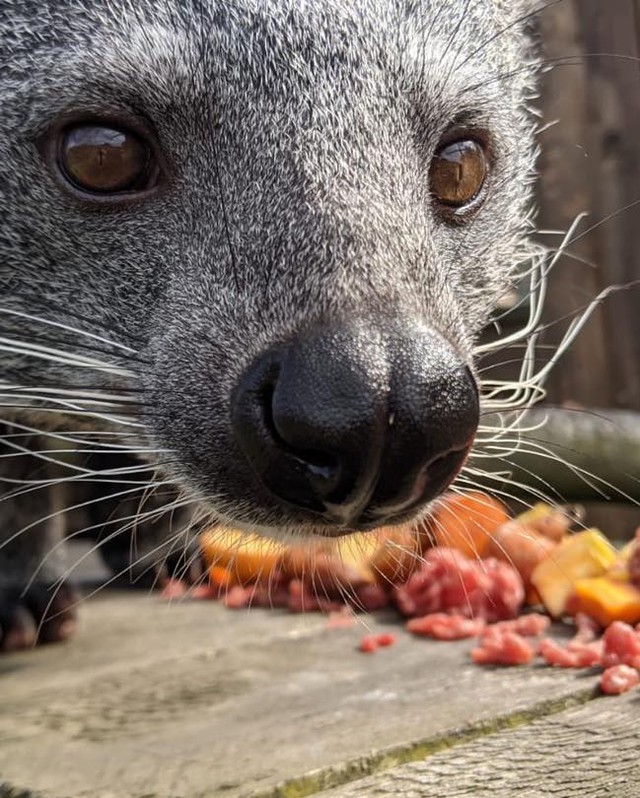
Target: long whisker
<point x="66" y="327"/>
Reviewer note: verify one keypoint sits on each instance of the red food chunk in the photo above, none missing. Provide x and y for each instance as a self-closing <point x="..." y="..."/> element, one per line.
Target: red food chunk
<point x="174" y="588"/>
<point x="303" y="598"/>
<point x="269" y="596"/>
<point x="589" y="653"/>
<point x="556" y="654"/>
<point x="343" y="619"/>
<point x="503" y="648"/>
<point x="204" y="592"/>
<point x="449" y="582"/>
<point x="587" y="628"/>
<point x="621" y="645"/>
<point x="368" y="644"/>
<point x="618" y="679"/>
<point x="369" y="598"/>
<point x="371" y="643"/>
<point x="442" y="626"/>
<point x="238" y="597"/>
<point x="574" y="655"/>
<point x="530" y="625"/>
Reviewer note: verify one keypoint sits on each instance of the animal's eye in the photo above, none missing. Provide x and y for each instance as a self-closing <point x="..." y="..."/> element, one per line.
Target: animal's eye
<point x="458" y="172"/>
<point x="105" y="160"/>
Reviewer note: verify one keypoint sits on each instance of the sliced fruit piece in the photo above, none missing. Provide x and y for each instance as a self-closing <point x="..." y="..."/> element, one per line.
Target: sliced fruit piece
<point x="586" y="554"/>
<point x="465" y="522"/>
<point x="246" y="558"/>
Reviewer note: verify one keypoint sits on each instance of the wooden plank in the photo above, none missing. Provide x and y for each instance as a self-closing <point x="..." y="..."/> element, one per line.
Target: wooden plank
<point x="194" y="700"/>
<point x="590" y="752"/>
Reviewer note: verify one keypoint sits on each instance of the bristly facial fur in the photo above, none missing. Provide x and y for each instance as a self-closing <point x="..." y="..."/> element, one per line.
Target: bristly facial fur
<point x="293" y="142"/>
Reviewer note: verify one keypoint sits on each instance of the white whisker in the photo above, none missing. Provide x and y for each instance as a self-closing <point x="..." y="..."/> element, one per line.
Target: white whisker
<point x="67" y="327"/>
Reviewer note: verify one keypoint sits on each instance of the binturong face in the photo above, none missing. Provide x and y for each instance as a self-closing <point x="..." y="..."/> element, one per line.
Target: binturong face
<point x="273" y="230"/>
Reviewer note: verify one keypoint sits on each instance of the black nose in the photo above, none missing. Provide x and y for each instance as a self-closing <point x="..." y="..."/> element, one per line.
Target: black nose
<point x="359" y="426"/>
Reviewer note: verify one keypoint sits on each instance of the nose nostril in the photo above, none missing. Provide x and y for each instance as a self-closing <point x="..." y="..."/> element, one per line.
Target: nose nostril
<point x="322" y="468"/>
<point x="265" y="400"/>
<point x="429" y="482"/>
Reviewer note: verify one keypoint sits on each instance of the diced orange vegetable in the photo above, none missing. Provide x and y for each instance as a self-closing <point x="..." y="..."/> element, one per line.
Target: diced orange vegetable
<point x="586" y="554"/>
<point x="247" y="558"/>
<point x="465" y="522"/>
<point x="607" y="600"/>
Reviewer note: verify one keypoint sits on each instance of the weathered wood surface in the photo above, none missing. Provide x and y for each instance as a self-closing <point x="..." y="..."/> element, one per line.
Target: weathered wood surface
<point x="590" y="752"/>
<point x="194" y="700"/>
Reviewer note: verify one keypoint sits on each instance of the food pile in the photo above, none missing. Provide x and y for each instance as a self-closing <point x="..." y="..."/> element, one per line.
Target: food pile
<point x="471" y="570"/>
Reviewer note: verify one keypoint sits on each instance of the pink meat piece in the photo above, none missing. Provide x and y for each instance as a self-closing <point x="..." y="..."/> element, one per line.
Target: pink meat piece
<point x="530" y="625"/>
<point x="302" y="598"/>
<point x="269" y="596"/>
<point x="449" y="582"/>
<point x="587" y="628"/>
<point x="619" y="679"/>
<point x="621" y="645"/>
<point x="574" y="655"/>
<point x="174" y="588"/>
<point x="442" y="626"/>
<point x="344" y="619"/>
<point x="368" y="598"/>
<point x="368" y="644"/>
<point x="237" y="597"/>
<point x="503" y="648"/>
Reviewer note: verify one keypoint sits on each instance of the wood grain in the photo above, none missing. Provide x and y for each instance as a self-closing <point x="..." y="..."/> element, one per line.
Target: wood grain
<point x="590" y="752"/>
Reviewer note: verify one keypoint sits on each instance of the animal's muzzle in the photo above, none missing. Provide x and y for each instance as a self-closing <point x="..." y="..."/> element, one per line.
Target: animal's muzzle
<point x="355" y="425"/>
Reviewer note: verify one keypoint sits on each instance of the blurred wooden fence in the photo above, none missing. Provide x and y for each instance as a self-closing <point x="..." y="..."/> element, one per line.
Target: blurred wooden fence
<point x="591" y="162"/>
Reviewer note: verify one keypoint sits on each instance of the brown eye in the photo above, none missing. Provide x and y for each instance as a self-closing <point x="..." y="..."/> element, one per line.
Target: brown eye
<point x="458" y="172"/>
<point x="105" y="160"/>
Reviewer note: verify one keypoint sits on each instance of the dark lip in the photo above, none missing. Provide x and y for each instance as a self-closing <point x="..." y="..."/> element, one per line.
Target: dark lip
<point x="368" y="522"/>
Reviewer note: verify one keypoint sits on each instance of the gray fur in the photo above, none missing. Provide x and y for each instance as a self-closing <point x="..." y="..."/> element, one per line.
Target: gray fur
<point x="296" y="137"/>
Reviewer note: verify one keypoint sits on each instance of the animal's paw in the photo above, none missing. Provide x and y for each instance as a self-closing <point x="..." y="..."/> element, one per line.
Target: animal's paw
<point x="41" y="614"/>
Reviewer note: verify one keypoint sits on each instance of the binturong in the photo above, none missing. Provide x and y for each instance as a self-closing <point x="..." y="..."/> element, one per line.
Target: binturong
<point x="246" y="250"/>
